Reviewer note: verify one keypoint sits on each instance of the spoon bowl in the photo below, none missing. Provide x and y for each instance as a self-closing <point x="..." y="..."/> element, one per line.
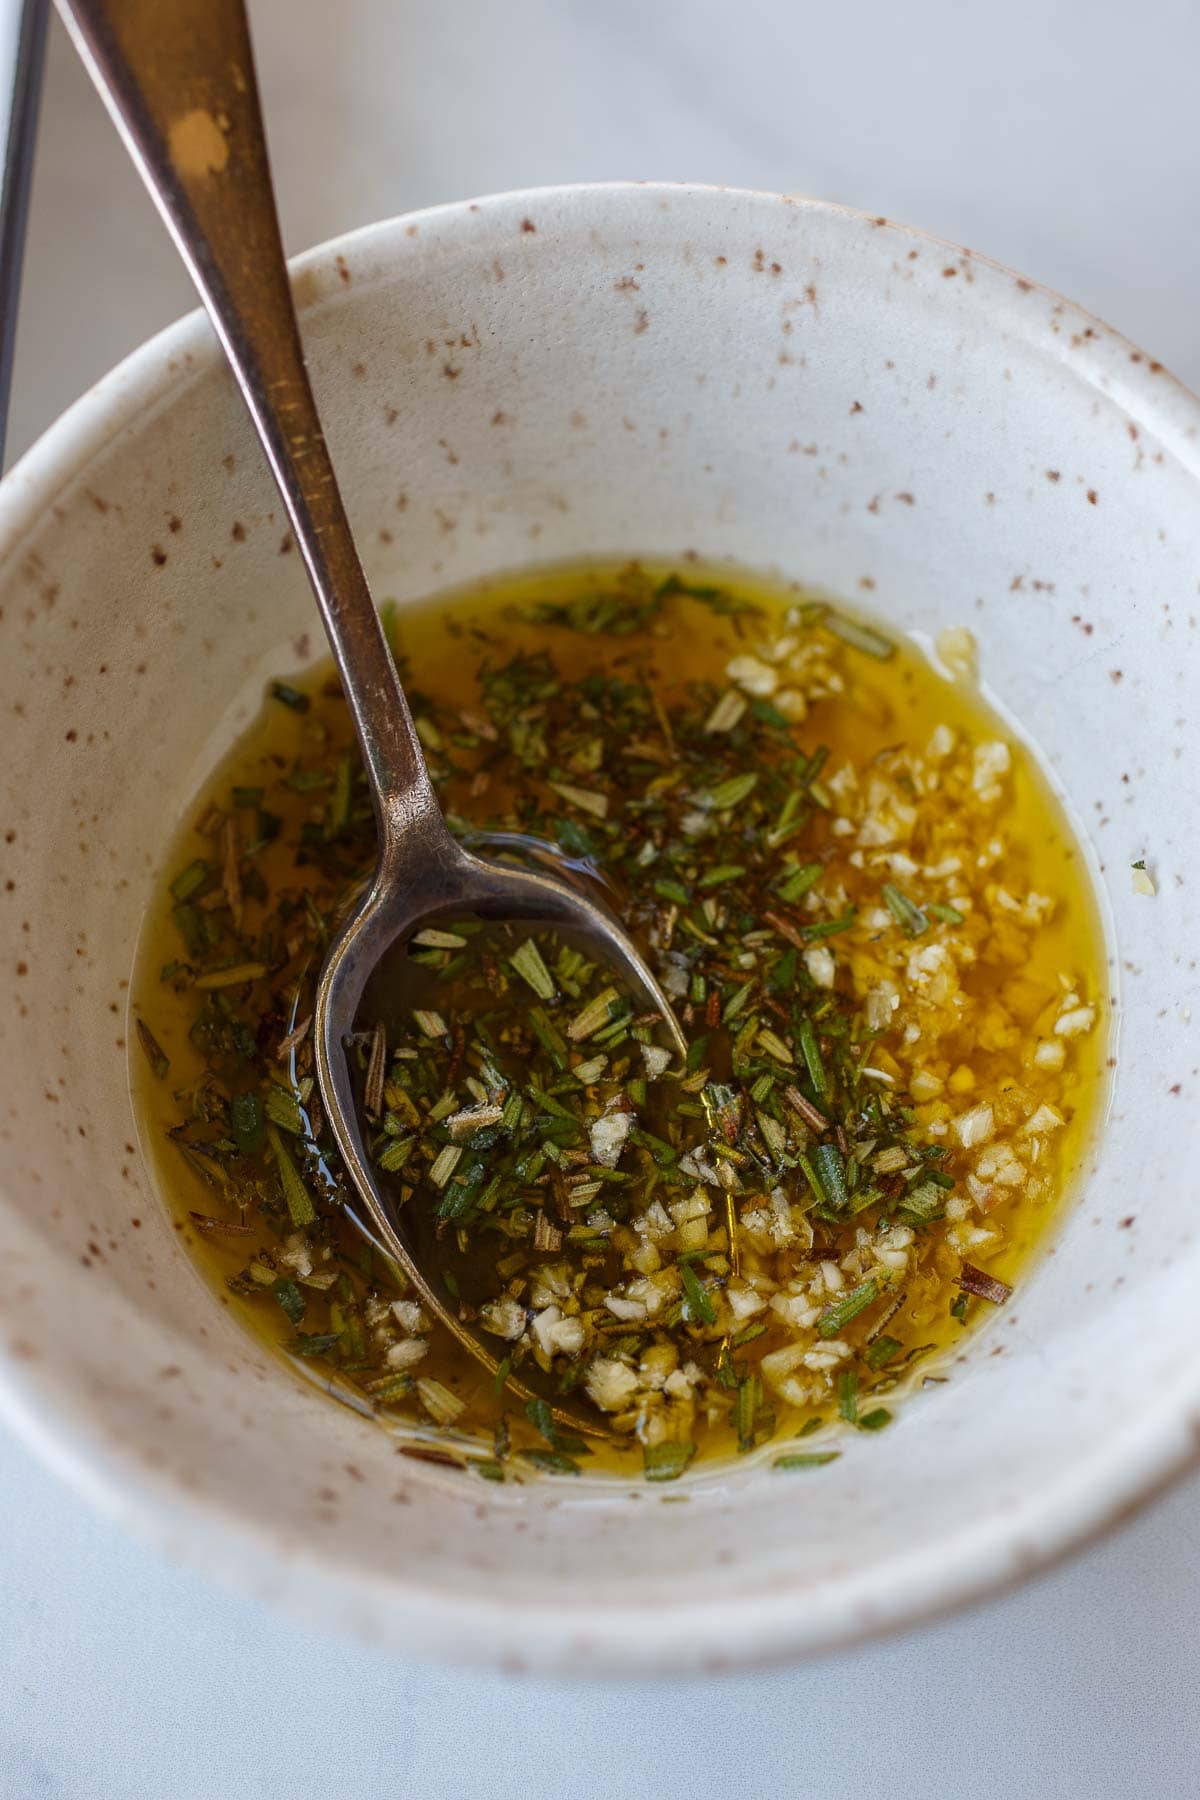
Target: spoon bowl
<point x="437" y="878"/>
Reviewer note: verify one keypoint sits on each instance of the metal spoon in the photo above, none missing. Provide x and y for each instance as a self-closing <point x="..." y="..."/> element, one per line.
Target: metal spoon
<point x="179" y="82"/>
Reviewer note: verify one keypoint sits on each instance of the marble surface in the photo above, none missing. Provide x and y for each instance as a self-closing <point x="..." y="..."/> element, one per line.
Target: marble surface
<point x="1055" y="134"/>
<point x="124" y="1679"/>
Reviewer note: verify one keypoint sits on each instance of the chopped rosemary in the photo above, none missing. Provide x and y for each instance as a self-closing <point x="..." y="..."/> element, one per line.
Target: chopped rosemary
<point x="246" y="1121"/>
<point x="862" y="637"/>
<point x="316" y="1343"/>
<point x="875" y="1420"/>
<point x="840" y="1313"/>
<point x="551" y="1462"/>
<point x="666" y="1461"/>
<point x="987" y="1287"/>
<point x="827" y="928"/>
<point x="881" y="1352"/>
<point x="155" y="1055"/>
<point x="696" y="1300"/>
<point x="290" y="1299"/>
<point x="798" y="882"/>
<point x="290" y="696"/>
<point x="734" y="1246"/>
<point x="908" y="916"/>
<point x="232" y="975"/>
<point x="728" y="794"/>
<point x="190" y="881"/>
<point x="810" y="1049"/>
<point x="527" y="961"/>
<point x="296" y="1196"/>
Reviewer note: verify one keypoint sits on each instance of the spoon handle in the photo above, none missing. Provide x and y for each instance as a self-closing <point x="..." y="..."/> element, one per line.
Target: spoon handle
<point x="178" y="78"/>
<point x="22" y="52"/>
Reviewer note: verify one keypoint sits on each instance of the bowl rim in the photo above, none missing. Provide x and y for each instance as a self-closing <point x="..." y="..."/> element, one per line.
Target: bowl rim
<point x="986" y="1556"/>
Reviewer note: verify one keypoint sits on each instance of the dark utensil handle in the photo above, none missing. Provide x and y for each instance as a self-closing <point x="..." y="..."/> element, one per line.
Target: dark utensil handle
<point x="22" y="53"/>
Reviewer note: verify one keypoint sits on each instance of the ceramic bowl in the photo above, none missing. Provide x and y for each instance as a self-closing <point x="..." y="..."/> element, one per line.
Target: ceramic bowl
<point x="537" y="377"/>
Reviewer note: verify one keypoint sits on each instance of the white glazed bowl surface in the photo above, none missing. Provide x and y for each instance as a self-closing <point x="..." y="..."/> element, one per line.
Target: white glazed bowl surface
<point x="533" y="378"/>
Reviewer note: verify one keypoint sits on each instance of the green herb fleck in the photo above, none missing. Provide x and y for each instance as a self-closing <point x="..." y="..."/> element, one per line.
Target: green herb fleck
<point x="527" y="960"/>
<point x="290" y="1299"/>
<point x="155" y="1055"/>
<point x="882" y="1351"/>
<point x="666" y="1461"/>
<point x="848" y="1307"/>
<point x="296" y="1196"/>
<point x="911" y="920"/>
<point x="290" y="697"/>
<point x="246" y="1122"/>
<point x="699" y="1306"/>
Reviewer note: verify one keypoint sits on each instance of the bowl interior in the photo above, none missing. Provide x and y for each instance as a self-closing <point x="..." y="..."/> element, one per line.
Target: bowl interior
<point x="534" y="379"/>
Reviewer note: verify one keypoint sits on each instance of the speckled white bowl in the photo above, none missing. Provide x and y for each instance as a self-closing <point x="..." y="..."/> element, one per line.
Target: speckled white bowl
<point x="536" y="377"/>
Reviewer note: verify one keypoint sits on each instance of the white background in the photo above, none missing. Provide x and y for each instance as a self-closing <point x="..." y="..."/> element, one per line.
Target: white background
<point x="1058" y="135"/>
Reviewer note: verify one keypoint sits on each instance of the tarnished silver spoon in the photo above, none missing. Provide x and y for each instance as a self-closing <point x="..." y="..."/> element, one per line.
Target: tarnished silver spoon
<point x="179" y="81"/>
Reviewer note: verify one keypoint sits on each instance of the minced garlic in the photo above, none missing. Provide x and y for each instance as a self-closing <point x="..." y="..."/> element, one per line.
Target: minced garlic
<point x="842" y="870"/>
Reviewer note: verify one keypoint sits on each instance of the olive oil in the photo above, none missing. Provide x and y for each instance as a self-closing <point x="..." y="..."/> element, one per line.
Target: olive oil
<point x="986" y="1015"/>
